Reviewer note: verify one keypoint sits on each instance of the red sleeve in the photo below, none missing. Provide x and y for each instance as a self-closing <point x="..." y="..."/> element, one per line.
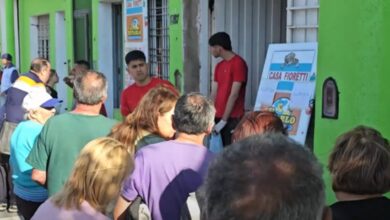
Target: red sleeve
<point x="216" y="73"/>
<point x="124" y="107"/>
<point x="240" y="71"/>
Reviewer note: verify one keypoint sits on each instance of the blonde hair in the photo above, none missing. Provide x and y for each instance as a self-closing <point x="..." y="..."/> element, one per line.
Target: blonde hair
<point x="97" y="176"/>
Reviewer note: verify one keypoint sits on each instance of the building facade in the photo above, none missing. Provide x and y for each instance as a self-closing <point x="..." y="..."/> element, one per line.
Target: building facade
<point x="352" y="37"/>
<point x="353" y="50"/>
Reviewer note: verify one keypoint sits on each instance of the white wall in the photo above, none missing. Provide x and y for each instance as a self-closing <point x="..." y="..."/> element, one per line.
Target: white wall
<point x="203" y="27"/>
<point x="3" y="43"/>
<point x="105" y="64"/>
<point x="33" y="37"/>
<point x="61" y="61"/>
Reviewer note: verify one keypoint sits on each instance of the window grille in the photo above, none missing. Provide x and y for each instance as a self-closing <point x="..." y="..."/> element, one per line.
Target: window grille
<point x="302" y="20"/>
<point x="43" y="36"/>
<point x="159" y="38"/>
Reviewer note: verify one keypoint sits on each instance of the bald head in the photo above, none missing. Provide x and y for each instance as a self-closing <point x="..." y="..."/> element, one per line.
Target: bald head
<point x="41" y="67"/>
<point x="90" y="88"/>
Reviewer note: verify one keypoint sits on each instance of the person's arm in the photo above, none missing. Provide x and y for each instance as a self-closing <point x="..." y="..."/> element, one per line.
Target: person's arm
<point x="68" y="80"/>
<point x="120" y="208"/>
<point x="132" y="186"/>
<point x="214" y="88"/>
<point x="14" y="76"/>
<point x="234" y="93"/>
<point x="39" y="176"/>
<point x="240" y="71"/>
<point x="39" y="156"/>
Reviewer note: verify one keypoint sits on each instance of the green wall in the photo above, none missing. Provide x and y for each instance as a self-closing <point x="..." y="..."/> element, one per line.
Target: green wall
<point x="354" y="49"/>
<point x="95" y="27"/>
<point x="175" y="7"/>
<point x="36" y="8"/>
<point x="9" y="28"/>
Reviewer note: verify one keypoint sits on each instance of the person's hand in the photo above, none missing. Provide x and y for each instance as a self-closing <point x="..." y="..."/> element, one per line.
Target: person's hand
<point x="219" y="126"/>
<point x="69" y="80"/>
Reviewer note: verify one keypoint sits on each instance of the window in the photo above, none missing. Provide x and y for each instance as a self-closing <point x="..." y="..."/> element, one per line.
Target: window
<point x="302" y="20"/>
<point x="159" y="38"/>
<point x="43" y="36"/>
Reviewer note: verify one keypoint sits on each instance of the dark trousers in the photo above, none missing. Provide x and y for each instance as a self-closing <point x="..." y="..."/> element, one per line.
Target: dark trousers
<point x="227" y="131"/>
<point x="6" y="187"/>
<point x="27" y="208"/>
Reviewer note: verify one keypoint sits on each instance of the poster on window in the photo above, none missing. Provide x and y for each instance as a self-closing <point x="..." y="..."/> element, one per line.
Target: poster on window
<point x="288" y="84"/>
<point x="135" y="24"/>
<point x="135" y="28"/>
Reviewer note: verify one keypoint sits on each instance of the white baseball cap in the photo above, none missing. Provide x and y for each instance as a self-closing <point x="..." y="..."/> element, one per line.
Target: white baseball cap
<point x="35" y="99"/>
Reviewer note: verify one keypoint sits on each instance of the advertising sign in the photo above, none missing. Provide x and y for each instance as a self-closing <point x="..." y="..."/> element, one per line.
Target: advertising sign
<point x="135" y="25"/>
<point x="135" y="31"/>
<point x="288" y="84"/>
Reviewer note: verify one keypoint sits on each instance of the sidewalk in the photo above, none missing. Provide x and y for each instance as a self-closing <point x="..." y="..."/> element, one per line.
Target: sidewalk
<point x="9" y="216"/>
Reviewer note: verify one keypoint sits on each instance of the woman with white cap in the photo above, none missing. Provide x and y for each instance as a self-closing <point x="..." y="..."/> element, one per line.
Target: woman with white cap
<point x="39" y="107"/>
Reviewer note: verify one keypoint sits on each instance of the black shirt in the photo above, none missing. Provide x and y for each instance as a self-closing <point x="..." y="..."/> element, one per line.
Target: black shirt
<point x="367" y="209"/>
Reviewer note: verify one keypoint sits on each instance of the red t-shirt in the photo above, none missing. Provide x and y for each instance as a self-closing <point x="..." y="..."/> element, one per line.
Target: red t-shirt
<point x="132" y="95"/>
<point x="227" y="72"/>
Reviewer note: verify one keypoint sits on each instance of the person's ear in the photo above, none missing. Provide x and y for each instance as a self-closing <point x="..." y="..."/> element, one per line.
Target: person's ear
<point x="209" y="129"/>
<point x="104" y="98"/>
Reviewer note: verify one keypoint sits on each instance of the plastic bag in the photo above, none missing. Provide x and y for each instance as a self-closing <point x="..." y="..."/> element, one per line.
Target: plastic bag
<point x="215" y="143"/>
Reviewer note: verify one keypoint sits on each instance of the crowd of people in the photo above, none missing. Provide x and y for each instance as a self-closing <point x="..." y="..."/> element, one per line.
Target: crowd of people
<point x="155" y="165"/>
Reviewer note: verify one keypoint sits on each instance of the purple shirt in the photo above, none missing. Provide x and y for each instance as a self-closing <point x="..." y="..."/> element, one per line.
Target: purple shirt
<point x="165" y="173"/>
<point x="50" y="211"/>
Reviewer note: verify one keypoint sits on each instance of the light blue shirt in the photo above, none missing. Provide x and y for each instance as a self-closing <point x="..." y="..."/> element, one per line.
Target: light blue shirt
<point x="10" y="74"/>
<point x="22" y="141"/>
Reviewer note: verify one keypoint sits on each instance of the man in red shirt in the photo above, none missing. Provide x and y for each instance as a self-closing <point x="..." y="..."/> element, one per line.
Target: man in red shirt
<point x="139" y="71"/>
<point x="228" y="88"/>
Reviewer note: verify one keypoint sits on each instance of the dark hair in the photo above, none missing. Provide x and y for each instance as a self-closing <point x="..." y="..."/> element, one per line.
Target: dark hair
<point x="360" y="162"/>
<point x="90" y="87"/>
<point x="6" y="56"/>
<point x="154" y="103"/>
<point x="258" y="122"/>
<point x="38" y="64"/>
<point x="264" y="177"/>
<point x="221" y="39"/>
<point x="83" y="63"/>
<point x="194" y="114"/>
<point x="134" y="55"/>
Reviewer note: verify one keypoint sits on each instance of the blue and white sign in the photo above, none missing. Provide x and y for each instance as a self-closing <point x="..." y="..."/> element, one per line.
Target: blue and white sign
<point x="288" y="84"/>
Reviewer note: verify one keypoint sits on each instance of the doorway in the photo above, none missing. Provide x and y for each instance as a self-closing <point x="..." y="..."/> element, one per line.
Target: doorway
<point x="61" y="58"/>
<point x="117" y="52"/>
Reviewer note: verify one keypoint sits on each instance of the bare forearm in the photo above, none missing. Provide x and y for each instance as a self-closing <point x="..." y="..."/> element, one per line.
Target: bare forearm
<point x="229" y="106"/>
<point x="120" y="208"/>
<point x="39" y="177"/>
